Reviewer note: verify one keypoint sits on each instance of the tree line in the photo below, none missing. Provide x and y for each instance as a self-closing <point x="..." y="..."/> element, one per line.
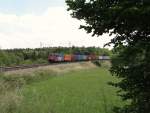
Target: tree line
<point x="11" y="57"/>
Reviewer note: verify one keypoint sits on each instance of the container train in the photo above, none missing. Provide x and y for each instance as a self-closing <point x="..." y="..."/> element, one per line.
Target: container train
<point x="58" y="57"/>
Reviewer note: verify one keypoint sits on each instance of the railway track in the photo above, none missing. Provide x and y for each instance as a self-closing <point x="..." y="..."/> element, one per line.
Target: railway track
<point x="13" y="68"/>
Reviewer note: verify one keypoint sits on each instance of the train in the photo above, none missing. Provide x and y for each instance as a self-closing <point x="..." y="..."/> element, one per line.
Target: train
<point x="60" y="57"/>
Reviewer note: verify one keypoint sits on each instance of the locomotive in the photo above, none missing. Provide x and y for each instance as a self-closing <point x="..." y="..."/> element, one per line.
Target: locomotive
<point x="59" y="57"/>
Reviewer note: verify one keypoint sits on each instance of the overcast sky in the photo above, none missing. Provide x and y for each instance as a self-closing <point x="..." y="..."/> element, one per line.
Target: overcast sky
<point x="41" y="23"/>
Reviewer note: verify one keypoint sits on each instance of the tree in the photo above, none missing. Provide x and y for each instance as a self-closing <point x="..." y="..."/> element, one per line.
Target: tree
<point x="129" y="21"/>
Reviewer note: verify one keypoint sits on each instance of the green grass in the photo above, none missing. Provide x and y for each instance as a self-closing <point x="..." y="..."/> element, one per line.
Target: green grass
<point x="84" y="91"/>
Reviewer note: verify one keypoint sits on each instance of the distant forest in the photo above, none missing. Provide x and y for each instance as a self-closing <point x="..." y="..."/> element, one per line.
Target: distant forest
<point x="12" y="57"/>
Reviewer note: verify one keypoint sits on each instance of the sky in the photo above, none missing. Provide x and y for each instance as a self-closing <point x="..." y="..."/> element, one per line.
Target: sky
<point x="42" y="23"/>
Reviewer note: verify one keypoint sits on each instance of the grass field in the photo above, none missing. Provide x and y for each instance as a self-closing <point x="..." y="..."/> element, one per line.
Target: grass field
<point x="75" y="91"/>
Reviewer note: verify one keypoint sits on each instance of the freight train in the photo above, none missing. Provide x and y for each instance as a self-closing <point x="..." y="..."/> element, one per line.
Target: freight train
<point x="58" y="57"/>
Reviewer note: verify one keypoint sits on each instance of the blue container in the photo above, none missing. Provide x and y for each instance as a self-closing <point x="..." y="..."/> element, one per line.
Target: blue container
<point x="77" y="57"/>
<point x="82" y="57"/>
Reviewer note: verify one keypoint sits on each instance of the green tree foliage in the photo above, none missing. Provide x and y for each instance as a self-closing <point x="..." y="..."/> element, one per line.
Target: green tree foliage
<point x="129" y="20"/>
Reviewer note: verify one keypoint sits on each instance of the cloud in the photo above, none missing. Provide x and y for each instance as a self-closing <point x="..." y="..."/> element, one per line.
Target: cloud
<point x="54" y="27"/>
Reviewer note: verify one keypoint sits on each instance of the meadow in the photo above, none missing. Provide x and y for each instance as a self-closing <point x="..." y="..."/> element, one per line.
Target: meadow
<point x="73" y="91"/>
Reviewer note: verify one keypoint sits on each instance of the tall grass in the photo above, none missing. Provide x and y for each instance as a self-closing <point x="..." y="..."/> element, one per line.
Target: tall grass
<point x="84" y="91"/>
<point x="73" y="91"/>
<point x="9" y="98"/>
<point x="11" y="86"/>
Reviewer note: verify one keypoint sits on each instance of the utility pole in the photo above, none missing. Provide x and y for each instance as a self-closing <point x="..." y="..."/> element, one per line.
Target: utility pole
<point x="70" y="47"/>
<point x="41" y="44"/>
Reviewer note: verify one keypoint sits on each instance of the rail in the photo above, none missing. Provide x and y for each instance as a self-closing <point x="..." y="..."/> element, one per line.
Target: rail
<point x="20" y="67"/>
<point x="13" y="68"/>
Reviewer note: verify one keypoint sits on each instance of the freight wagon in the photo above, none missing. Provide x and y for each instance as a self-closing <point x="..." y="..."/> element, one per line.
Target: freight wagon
<point x="67" y="58"/>
<point x="104" y="58"/>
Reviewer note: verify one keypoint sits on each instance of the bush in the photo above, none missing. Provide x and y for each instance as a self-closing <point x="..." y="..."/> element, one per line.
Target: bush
<point x="97" y="63"/>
